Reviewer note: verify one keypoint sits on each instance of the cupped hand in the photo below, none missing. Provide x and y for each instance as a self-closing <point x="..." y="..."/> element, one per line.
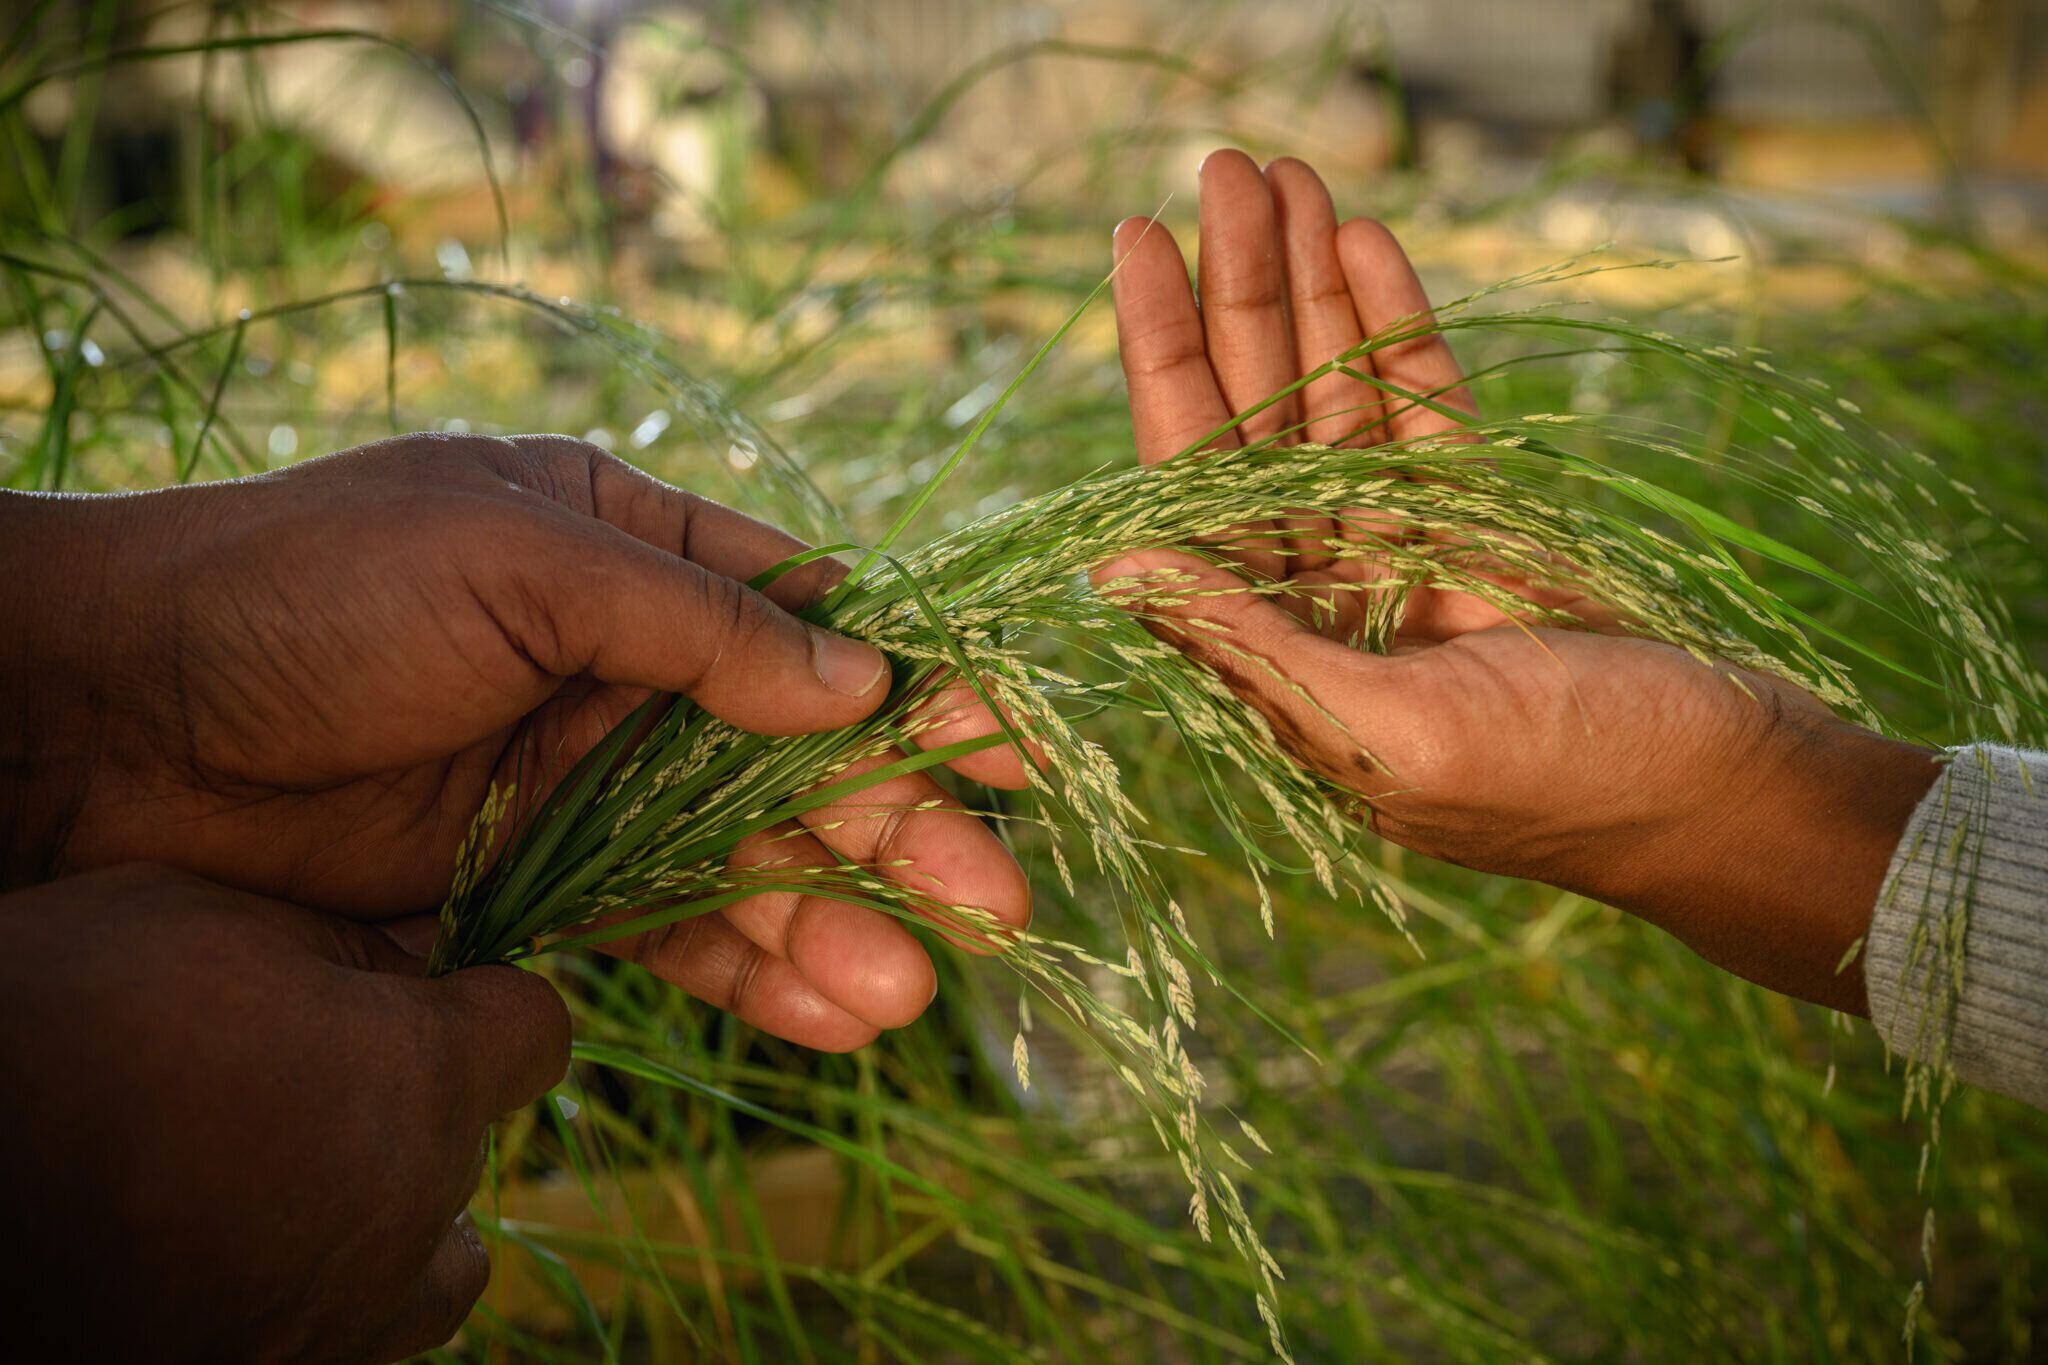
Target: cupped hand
<point x="1729" y="807"/>
<point x="303" y="683"/>
<point x="260" y="1125"/>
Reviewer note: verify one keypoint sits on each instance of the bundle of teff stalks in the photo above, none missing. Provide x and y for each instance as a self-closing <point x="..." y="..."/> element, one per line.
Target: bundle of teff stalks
<point x="1517" y="511"/>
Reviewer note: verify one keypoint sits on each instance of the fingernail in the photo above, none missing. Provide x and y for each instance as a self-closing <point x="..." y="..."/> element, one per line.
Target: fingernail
<point x="848" y="667"/>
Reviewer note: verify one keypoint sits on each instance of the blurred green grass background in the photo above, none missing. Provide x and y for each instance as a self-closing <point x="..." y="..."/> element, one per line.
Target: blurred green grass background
<point x="1551" y="1135"/>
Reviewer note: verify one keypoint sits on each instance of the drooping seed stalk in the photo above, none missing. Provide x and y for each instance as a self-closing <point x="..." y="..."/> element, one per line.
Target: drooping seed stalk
<point x="640" y="833"/>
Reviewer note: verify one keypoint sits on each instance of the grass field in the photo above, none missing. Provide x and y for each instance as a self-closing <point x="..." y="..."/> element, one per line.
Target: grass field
<point x="1538" y="1130"/>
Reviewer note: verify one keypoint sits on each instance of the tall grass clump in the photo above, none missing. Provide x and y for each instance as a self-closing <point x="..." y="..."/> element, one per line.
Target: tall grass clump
<point x="640" y="834"/>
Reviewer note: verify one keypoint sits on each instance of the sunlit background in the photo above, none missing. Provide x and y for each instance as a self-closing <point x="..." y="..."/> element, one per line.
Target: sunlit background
<point x="238" y="234"/>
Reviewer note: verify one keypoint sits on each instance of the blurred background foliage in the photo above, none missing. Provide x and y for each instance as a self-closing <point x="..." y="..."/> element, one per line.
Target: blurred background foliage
<point x="785" y="253"/>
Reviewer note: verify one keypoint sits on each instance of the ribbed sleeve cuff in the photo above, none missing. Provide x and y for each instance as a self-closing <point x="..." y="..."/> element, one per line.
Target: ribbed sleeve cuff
<point x="1962" y="923"/>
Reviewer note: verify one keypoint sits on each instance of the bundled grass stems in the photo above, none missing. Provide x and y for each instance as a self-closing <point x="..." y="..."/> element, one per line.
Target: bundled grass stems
<point x="641" y="833"/>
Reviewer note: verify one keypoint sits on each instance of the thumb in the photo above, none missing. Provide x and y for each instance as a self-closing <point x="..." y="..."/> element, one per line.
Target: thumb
<point x="502" y="1034"/>
<point x="602" y="602"/>
<point x="1315" y="693"/>
<point x="503" y="1031"/>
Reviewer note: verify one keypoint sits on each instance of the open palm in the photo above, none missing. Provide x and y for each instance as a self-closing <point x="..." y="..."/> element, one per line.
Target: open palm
<point x="1614" y="766"/>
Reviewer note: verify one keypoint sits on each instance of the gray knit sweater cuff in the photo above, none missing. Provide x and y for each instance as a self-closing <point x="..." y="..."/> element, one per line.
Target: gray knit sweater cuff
<point x="1970" y="870"/>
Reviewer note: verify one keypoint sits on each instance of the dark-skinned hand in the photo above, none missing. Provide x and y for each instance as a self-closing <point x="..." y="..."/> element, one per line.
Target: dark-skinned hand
<point x="302" y="684"/>
<point x="256" y="1125"/>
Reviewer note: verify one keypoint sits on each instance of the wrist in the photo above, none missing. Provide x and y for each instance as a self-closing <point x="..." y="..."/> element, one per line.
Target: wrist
<point x="1776" y="876"/>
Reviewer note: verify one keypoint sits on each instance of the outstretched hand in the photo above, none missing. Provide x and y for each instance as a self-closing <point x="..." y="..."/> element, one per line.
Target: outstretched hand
<point x="1729" y="807"/>
<point x="302" y="684"/>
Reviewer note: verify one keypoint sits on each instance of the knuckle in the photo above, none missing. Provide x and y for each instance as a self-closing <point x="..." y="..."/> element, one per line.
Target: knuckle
<point x="725" y="624"/>
<point x="1319" y="290"/>
<point x="429" y="449"/>
<point x="1233" y="293"/>
<point x="567" y="450"/>
<point x="681" y="507"/>
<point x="648" y="509"/>
<point x="657" y="945"/>
<point x="889" y="834"/>
<point x="747" y="618"/>
<point x="1150" y="367"/>
<point x="1173" y="341"/>
<point x="726" y="608"/>
<point x="746" y="973"/>
<point x="568" y="468"/>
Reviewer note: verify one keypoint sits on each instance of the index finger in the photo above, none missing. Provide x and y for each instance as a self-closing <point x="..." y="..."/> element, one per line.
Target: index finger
<point x="710" y="535"/>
